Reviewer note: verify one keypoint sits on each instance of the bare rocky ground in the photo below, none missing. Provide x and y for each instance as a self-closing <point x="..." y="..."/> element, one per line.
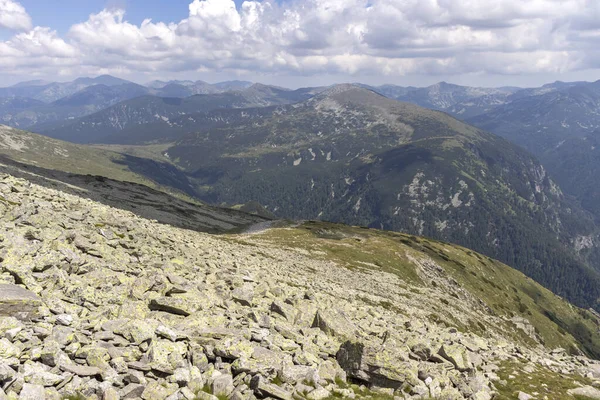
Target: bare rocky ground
<point x="98" y="303"/>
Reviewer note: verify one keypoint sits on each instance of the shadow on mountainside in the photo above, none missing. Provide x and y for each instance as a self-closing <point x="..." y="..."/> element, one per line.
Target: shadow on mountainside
<point x="138" y="199"/>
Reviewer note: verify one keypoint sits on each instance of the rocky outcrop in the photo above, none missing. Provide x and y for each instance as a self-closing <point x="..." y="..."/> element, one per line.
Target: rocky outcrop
<point x="99" y="304"/>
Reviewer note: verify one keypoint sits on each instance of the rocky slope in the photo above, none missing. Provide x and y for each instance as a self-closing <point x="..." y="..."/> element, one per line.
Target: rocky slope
<point x="97" y="303"/>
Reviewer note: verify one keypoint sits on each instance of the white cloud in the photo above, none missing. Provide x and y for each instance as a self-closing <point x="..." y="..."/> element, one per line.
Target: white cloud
<point x="385" y="37"/>
<point x="13" y="16"/>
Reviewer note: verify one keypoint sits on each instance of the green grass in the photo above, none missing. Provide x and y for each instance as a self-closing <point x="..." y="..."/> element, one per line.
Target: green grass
<point x="542" y="381"/>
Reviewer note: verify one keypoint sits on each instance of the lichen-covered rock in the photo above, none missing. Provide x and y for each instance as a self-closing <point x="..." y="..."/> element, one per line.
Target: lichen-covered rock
<point x="176" y="305"/>
<point x="457" y="355"/>
<point x="18" y="302"/>
<point x="264" y="388"/>
<point x="334" y="323"/>
<point x="383" y="367"/>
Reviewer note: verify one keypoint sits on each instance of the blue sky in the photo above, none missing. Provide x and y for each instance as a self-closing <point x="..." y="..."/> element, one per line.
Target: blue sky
<point x="46" y="12"/>
<point x="304" y="42"/>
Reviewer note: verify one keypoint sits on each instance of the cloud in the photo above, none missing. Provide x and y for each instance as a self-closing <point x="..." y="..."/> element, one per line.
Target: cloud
<point x="309" y="37"/>
<point x="13" y="16"/>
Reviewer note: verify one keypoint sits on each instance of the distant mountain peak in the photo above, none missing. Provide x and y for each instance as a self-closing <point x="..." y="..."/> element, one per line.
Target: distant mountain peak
<point x="349" y="93"/>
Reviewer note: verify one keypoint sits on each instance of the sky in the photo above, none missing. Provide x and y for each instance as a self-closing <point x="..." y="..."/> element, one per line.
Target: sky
<point x="297" y="43"/>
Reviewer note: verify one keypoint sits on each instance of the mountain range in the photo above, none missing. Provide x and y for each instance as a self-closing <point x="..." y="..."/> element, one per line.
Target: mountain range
<point x="183" y="246"/>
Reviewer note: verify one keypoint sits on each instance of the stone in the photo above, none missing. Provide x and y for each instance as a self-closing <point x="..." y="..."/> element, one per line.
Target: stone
<point x="283" y="309"/>
<point x="334" y="323"/>
<point x="264" y="388"/>
<point x="222" y="385"/>
<point x="32" y="392"/>
<point x="262" y="361"/>
<point x="132" y="391"/>
<point x="243" y="295"/>
<point x="386" y="368"/>
<point x="457" y="355"/>
<point x="176" y="305"/>
<point x="136" y="331"/>
<point x="81" y="370"/>
<point x="524" y="396"/>
<point x="318" y="394"/>
<point x="295" y="373"/>
<point x="233" y="348"/>
<point x="39" y="374"/>
<point x="64" y="319"/>
<point x="110" y="394"/>
<point x="8" y="350"/>
<point x="586" y="392"/>
<point x="205" y="396"/>
<point x="165" y="355"/>
<point x="167" y="333"/>
<point x="6" y="372"/>
<point x="156" y="391"/>
<point x="18" y="302"/>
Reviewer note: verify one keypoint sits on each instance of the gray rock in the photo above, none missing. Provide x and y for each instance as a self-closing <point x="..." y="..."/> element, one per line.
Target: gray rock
<point x="524" y="396"/>
<point x="457" y="355"/>
<point x="81" y="370"/>
<point x="318" y="394"/>
<point x="382" y="367"/>
<point x="205" y="396"/>
<point x="586" y="392"/>
<point x="334" y="323"/>
<point x="264" y="388"/>
<point x="132" y="391"/>
<point x="243" y="295"/>
<point x="64" y="319"/>
<point x="110" y="394"/>
<point x="18" y="302"/>
<point x="32" y="392"/>
<point x="222" y="385"/>
<point x="176" y="305"/>
<point x="6" y="372"/>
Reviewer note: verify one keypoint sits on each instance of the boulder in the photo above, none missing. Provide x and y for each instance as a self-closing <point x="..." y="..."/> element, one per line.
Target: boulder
<point x="382" y="367"/>
<point x="265" y="389"/>
<point x="176" y="305"/>
<point x="457" y="355"/>
<point x="222" y="385"/>
<point x="243" y="295"/>
<point x="334" y="323"/>
<point x="586" y="392"/>
<point x="81" y="370"/>
<point x="32" y="392"/>
<point x="18" y="302"/>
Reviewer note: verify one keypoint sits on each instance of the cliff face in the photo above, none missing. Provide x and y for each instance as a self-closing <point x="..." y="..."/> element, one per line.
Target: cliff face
<point x="97" y="302"/>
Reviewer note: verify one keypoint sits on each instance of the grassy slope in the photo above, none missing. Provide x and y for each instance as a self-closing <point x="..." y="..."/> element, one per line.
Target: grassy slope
<point x="506" y="291"/>
<point x="41" y="151"/>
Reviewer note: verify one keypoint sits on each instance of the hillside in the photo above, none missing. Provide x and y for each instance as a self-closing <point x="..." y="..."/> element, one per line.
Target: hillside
<point x="350" y="155"/>
<point x="560" y="125"/>
<point x="134" y="120"/>
<point x="104" y="304"/>
<point x="149" y="188"/>
<point x="84" y="102"/>
<point x="459" y="101"/>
